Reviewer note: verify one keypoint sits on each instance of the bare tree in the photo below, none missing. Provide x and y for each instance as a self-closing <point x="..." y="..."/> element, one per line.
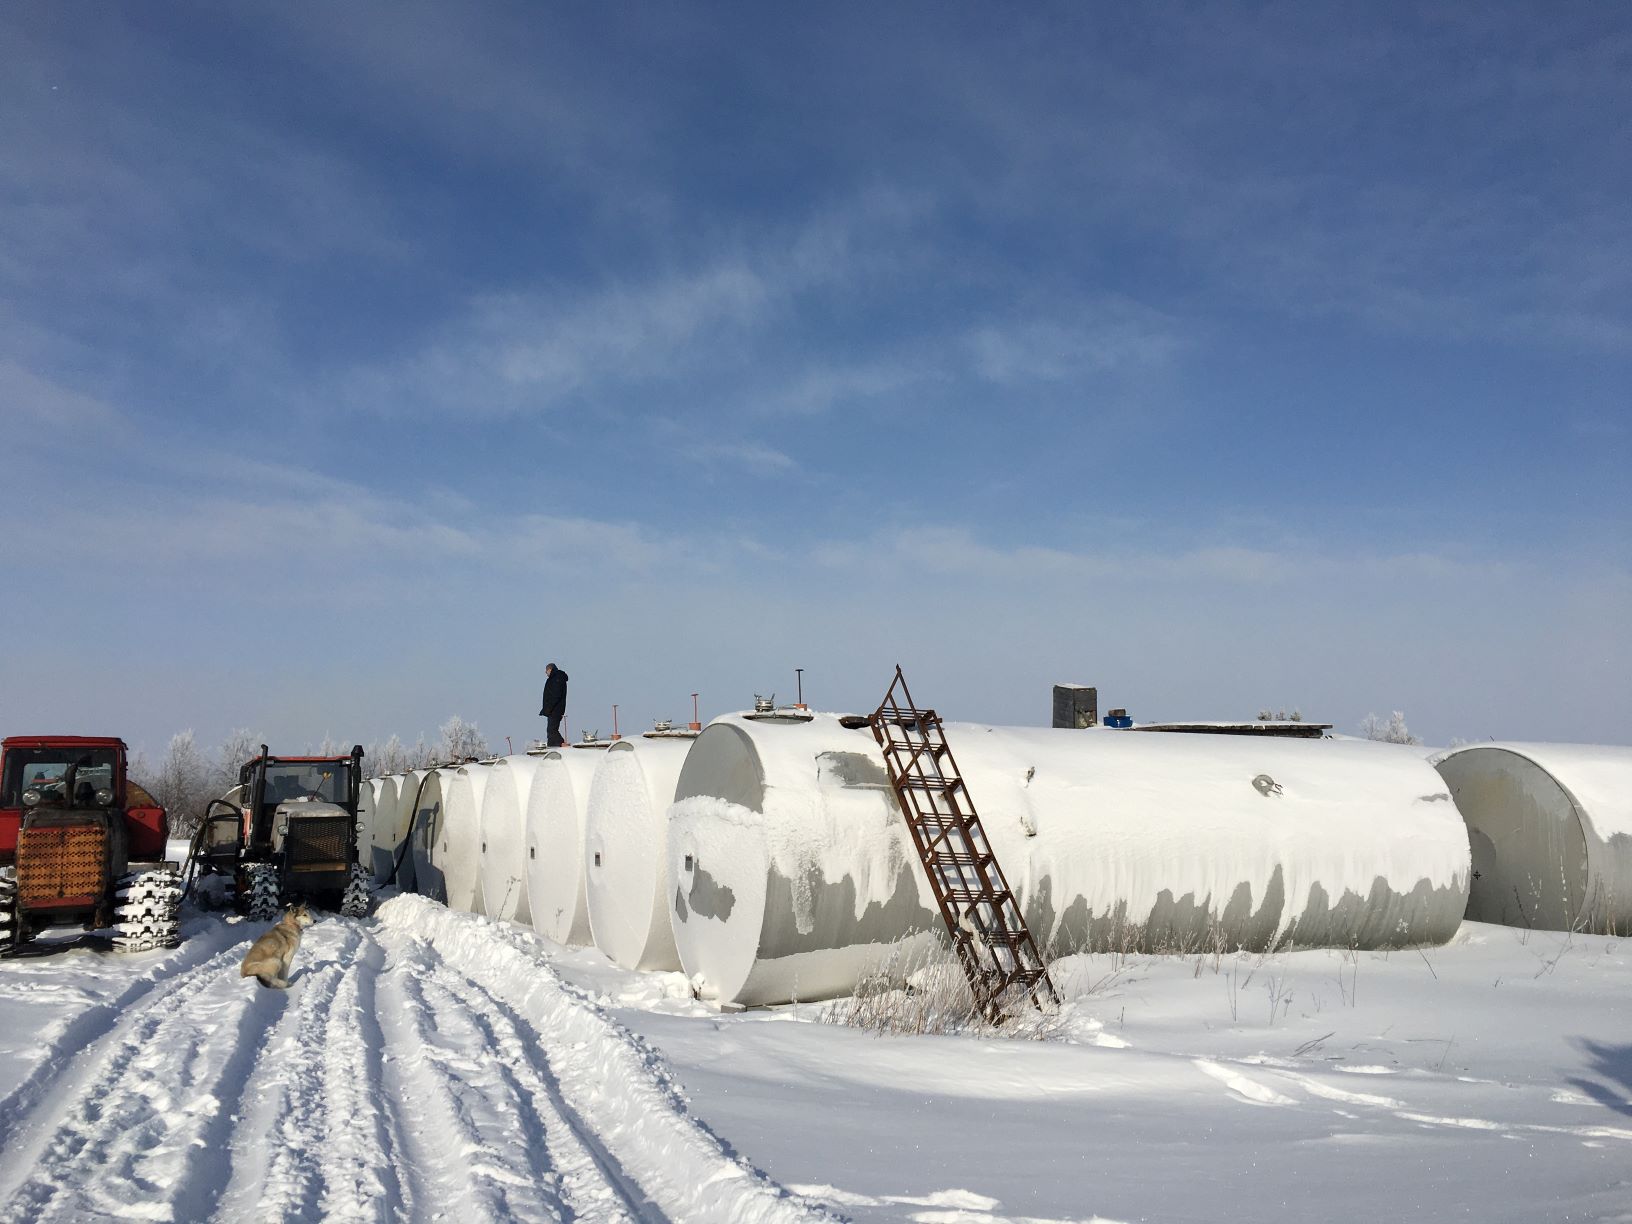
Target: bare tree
<point x="241" y="745"/>
<point x="387" y="758"/>
<point x="181" y="782"/>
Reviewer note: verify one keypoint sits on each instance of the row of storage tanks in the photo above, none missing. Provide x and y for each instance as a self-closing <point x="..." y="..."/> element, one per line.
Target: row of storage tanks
<point x="765" y="857"/>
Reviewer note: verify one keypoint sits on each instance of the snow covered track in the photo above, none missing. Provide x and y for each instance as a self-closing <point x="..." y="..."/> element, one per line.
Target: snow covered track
<point x="608" y="1086"/>
<point x="431" y="1065"/>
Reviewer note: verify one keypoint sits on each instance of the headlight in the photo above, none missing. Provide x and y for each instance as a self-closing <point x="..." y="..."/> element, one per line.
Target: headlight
<point x="31" y="797"/>
<point x="104" y="797"/>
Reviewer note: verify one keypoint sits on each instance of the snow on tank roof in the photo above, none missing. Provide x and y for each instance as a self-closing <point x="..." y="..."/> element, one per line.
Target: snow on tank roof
<point x="1598" y="776"/>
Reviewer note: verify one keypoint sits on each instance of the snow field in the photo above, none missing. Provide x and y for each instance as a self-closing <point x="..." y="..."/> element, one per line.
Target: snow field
<point x="1490" y="1078"/>
<point x="430" y="1064"/>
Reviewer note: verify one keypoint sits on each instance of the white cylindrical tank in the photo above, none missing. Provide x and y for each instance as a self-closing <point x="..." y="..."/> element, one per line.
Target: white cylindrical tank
<point x="401" y="828"/>
<point x="791" y="871"/>
<point x="368" y="794"/>
<point x="557" y="810"/>
<point x="1551" y="829"/>
<point x="378" y="849"/>
<point x="458" y="850"/>
<point x="504" y="837"/>
<point x="626" y="867"/>
<point x="426" y="830"/>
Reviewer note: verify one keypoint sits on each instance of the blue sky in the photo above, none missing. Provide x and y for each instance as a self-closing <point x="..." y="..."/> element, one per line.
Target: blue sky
<point x="357" y="359"/>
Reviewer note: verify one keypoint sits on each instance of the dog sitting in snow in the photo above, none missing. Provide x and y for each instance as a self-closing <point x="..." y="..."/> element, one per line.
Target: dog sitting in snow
<point x="270" y="956"/>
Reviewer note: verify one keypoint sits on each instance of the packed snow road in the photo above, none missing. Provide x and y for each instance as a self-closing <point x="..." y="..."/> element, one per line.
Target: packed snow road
<point x="396" y="1078"/>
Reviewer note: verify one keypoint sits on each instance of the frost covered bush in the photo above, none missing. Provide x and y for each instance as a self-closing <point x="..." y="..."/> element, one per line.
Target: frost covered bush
<point x="462" y="741"/>
<point x="1391" y="730"/>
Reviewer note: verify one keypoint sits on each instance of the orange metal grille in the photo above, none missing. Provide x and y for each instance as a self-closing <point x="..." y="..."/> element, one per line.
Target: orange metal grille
<point x="60" y="861"/>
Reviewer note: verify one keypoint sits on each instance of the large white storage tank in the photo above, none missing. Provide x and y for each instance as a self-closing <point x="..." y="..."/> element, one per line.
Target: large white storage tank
<point x="368" y="791"/>
<point x="425" y="831"/>
<point x="791" y="870"/>
<point x="504" y="838"/>
<point x="401" y="828"/>
<point x="376" y="850"/>
<point x="1551" y="830"/>
<point x="625" y="863"/>
<point x="458" y="850"/>
<point x="557" y="811"/>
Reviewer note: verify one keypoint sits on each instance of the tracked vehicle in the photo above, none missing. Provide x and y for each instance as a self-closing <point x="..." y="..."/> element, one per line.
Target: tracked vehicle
<point x="288" y="831"/>
<point x="82" y="845"/>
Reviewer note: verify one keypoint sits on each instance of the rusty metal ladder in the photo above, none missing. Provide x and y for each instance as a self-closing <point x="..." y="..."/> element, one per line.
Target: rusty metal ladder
<point x="988" y="931"/>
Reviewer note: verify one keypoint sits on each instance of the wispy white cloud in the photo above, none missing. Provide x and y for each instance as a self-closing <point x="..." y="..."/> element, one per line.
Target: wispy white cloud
<point x="25" y="397"/>
<point x="1075" y="343"/>
<point x="753" y="457"/>
<point x="715" y="320"/>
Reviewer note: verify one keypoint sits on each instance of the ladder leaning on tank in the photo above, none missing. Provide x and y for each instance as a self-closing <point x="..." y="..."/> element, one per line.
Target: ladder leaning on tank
<point x="989" y="934"/>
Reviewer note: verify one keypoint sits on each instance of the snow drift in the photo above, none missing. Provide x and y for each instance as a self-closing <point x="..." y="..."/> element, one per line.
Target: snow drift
<point x="791" y="872"/>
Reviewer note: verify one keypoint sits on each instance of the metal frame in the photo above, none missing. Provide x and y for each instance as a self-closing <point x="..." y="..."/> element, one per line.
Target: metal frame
<point x="988" y="932"/>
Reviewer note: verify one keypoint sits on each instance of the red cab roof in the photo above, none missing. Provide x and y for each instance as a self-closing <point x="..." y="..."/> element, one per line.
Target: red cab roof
<point x="64" y="741"/>
<point x="302" y="759"/>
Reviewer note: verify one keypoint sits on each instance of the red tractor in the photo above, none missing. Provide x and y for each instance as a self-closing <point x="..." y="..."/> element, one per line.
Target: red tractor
<point x="81" y="845"/>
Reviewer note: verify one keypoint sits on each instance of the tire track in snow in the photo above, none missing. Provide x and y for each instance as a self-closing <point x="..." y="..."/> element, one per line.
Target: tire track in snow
<point x="309" y="1141"/>
<point x="594" y="1185"/>
<point x="476" y="1143"/>
<point x="123" y="1126"/>
<point x="202" y="942"/>
<point x="626" y="1101"/>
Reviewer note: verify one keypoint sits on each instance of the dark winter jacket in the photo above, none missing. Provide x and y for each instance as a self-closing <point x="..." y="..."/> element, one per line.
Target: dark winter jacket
<point x="555" y="694"/>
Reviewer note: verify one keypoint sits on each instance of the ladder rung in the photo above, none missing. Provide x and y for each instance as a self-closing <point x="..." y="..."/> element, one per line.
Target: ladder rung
<point x="960" y="858"/>
<point x="919" y="782"/>
<point x="937" y="747"/>
<point x="969" y="896"/>
<point x="1002" y="941"/>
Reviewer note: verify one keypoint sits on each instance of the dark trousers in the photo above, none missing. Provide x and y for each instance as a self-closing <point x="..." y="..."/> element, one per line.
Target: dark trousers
<point x="552" y="733"/>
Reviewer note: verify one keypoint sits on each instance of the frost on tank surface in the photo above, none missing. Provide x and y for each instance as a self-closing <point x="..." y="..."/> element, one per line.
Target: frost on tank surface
<point x="791" y="870"/>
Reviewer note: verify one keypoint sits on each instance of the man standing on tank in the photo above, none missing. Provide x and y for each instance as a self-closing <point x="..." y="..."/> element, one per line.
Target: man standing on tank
<point x="554" y="705"/>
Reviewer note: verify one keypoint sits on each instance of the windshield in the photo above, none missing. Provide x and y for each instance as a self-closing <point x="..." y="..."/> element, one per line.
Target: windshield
<point x="64" y="776"/>
<point x="329" y="781"/>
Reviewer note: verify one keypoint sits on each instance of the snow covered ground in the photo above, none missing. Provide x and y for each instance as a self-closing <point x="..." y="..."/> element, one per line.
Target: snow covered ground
<point x="434" y="1065"/>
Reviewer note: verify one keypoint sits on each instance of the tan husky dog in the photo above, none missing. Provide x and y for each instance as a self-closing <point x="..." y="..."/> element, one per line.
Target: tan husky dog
<point x="270" y="956"/>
